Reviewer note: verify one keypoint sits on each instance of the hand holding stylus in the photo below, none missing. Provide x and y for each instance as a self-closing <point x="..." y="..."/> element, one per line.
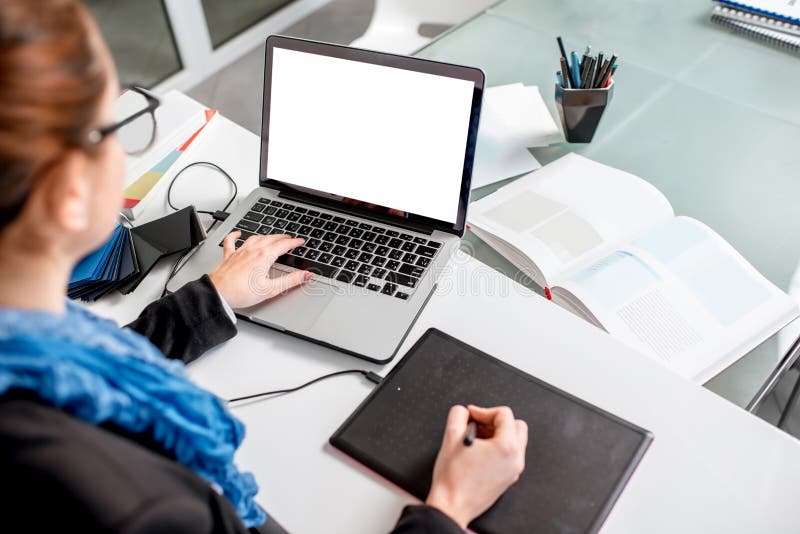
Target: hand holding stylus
<point x="468" y="479"/>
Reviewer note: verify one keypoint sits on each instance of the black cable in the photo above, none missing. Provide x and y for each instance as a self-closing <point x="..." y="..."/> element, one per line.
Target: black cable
<point x="174" y="269"/>
<point x="207" y="164"/>
<point x="369" y="375"/>
<point x="218" y="215"/>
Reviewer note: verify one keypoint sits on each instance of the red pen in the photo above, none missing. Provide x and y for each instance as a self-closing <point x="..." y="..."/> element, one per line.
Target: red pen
<point x="613" y="70"/>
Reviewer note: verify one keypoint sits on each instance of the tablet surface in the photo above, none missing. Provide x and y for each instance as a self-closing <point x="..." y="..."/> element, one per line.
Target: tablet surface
<point x="578" y="459"/>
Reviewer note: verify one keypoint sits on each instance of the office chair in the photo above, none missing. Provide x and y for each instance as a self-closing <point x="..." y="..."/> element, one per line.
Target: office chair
<point x="791" y="402"/>
<point x="789" y="342"/>
<point x="396" y="24"/>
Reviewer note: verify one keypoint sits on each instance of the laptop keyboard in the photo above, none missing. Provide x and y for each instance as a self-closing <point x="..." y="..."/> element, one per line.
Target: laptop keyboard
<point x="380" y="259"/>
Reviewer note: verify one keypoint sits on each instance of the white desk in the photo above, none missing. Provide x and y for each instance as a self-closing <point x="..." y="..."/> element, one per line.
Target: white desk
<point x="712" y="467"/>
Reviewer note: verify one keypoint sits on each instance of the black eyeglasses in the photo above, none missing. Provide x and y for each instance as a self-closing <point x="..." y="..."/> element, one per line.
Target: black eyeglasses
<point x="137" y="131"/>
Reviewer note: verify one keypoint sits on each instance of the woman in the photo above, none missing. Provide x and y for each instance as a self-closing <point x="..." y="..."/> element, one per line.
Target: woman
<point x="98" y="430"/>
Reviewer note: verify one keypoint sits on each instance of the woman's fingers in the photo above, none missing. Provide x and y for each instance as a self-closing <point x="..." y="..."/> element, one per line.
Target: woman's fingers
<point x="288" y="281"/>
<point x="505" y="428"/>
<point x="500" y="419"/>
<point x="243" y="279"/>
<point x="486" y="415"/>
<point x="522" y="433"/>
<point x="456" y="426"/>
<point x="279" y="247"/>
<point x="260" y="241"/>
<point x="229" y="243"/>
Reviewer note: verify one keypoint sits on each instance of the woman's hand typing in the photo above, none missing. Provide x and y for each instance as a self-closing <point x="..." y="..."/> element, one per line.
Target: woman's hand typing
<point x="243" y="276"/>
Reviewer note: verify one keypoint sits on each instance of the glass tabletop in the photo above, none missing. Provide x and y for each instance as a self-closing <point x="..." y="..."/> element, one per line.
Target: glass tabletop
<point x="709" y="117"/>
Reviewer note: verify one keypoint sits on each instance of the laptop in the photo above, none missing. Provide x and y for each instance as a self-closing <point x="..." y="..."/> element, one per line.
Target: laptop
<point x="368" y="157"/>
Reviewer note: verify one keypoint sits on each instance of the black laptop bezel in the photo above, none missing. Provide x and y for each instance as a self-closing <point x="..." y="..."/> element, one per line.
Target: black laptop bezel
<point x="419" y="222"/>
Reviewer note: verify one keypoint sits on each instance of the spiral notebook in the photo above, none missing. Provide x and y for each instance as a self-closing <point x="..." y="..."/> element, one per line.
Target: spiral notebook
<point x="776" y="22"/>
<point x="769" y="36"/>
<point x="578" y="460"/>
<point x="756" y="19"/>
<point x="783" y="10"/>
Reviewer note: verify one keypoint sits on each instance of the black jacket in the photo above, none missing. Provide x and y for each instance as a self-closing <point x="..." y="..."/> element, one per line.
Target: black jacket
<point x="60" y="474"/>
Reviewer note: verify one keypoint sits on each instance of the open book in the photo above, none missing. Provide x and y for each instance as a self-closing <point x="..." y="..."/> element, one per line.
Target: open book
<point x="608" y="247"/>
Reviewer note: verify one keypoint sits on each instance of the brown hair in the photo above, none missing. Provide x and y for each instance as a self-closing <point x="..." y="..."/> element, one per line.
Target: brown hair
<point x="52" y="79"/>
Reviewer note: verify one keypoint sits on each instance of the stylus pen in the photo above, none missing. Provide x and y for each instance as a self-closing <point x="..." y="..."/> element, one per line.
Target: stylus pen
<point x="469" y="437"/>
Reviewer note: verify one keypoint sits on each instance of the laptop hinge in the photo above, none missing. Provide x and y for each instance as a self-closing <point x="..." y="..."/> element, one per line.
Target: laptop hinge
<point x="337" y="206"/>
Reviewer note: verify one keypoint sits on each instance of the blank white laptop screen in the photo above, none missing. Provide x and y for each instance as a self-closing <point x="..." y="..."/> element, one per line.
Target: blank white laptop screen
<point x="382" y="135"/>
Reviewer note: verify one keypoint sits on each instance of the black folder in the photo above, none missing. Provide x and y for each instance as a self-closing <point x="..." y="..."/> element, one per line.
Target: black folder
<point x="579" y="457"/>
<point x="171" y="234"/>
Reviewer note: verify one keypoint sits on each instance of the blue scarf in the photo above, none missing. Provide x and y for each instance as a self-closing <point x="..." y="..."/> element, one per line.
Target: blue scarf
<point x="95" y="371"/>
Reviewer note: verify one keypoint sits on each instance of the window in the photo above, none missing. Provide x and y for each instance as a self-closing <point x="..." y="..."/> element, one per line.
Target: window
<point x="228" y="18"/>
<point x="140" y="37"/>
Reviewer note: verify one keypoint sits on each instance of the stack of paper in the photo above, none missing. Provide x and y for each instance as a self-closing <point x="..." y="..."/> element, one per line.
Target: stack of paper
<point x="514" y="117"/>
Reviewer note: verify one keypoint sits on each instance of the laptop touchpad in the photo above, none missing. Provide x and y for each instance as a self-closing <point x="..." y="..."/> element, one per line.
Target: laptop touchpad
<point x="297" y="309"/>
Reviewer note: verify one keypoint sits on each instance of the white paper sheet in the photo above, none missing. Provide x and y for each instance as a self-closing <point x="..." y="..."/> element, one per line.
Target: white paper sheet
<point x="521" y="114"/>
<point x="514" y="117"/>
<point x="495" y="162"/>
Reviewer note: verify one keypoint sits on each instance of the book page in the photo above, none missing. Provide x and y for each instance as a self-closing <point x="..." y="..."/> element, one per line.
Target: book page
<point x="570" y="212"/>
<point x="177" y="118"/>
<point x="682" y="295"/>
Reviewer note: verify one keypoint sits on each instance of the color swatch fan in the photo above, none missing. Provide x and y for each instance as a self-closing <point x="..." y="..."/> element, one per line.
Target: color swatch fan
<point x="105" y="269"/>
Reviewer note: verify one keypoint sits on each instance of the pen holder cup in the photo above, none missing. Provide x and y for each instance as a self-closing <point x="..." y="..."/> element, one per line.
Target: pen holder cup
<point x="581" y="111"/>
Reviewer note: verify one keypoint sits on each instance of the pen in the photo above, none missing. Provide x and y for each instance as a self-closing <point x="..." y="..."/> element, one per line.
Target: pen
<point x="603" y="73"/>
<point x="609" y="71"/>
<point x="596" y="79"/>
<point x="576" y="72"/>
<point x="586" y="55"/>
<point x="582" y="77"/>
<point x="586" y="75"/>
<point x="561" y="48"/>
<point x="469" y="437"/>
<point x="613" y="70"/>
<point x="559" y="78"/>
<point x="611" y="63"/>
<point x="565" y="81"/>
<point x="590" y="72"/>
